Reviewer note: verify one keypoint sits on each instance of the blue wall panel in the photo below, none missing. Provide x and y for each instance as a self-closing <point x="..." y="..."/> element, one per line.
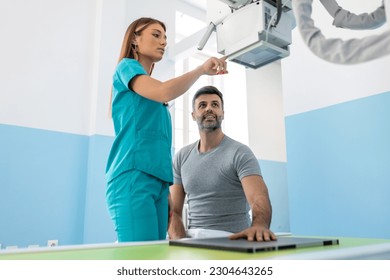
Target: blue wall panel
<point x="339" y="169"/>
<point x="275" y="177"/>
<point x="98" y="227"/>
<point x="42" y="186"/>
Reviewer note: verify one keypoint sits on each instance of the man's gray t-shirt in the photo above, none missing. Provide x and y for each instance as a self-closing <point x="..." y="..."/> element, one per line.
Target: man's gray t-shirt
<point x="211" y="180"/>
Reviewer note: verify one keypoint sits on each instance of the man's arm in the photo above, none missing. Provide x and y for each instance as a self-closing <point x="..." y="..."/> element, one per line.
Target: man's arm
<point x="176" y="228"/>
<point x="256" y="193"/>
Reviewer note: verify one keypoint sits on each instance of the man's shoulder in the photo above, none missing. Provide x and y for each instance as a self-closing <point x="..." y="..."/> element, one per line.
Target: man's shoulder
<point x="184" y="152"/>
<point x="188" y="148"/>
<point x="234" y="143"/>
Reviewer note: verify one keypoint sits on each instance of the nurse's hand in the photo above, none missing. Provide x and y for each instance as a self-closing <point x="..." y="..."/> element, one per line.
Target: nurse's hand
<point x="215" y="66"/>
<point x="255" y="233"/>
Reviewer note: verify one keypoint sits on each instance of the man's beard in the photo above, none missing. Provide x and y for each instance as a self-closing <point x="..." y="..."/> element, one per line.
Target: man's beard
<point x="210" y="126"/>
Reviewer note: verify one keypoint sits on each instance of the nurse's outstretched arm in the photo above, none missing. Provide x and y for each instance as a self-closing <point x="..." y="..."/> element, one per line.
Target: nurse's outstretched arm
<point x="156" y="90"/>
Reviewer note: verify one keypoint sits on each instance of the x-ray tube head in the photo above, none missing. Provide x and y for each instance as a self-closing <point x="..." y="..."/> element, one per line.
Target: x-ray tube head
<point x="247" y="37"/>
<point x="259" y="54"/>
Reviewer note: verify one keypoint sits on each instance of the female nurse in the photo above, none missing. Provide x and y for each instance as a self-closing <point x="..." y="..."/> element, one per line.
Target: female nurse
<point x="139" y="167"/>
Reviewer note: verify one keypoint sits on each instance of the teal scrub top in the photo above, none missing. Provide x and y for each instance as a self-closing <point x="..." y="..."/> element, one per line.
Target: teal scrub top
<point x="143" y="129"/>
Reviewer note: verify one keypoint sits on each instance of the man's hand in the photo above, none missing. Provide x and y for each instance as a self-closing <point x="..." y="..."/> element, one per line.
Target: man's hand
<point x="255" y="233"/>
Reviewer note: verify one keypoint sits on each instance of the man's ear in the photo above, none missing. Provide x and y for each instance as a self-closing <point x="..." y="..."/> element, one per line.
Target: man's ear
<point x="193" y="117"/>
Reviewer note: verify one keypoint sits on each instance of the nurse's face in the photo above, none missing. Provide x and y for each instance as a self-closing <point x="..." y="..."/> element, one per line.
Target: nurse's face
<point x="151" y="43"/>
<point x="208" y="112"/>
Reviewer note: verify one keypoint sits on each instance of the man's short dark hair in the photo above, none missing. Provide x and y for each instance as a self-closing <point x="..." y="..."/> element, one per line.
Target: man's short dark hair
<point x="206" y="90"/>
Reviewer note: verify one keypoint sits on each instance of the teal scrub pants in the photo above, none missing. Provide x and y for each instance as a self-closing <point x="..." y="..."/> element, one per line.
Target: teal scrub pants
<point x="138" y="205"/>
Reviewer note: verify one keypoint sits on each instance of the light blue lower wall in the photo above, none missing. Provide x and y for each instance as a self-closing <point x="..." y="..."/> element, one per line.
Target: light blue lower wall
<point x="42" y="186"/>
<point x="52" y="186"/>
<point x="275" y="177"/>
<point x="98" y="227"/>
<point x="339" y="169"/>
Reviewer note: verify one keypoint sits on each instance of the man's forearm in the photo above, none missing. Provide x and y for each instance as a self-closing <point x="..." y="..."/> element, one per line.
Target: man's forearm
<point x="261" y="212"/>
<point x="176" y="228"/>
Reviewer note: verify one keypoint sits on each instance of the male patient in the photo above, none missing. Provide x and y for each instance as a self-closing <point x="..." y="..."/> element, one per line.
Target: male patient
<point x="222" y="180"/>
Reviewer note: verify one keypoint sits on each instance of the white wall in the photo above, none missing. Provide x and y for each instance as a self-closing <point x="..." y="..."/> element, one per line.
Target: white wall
<point x="46" y="63"/>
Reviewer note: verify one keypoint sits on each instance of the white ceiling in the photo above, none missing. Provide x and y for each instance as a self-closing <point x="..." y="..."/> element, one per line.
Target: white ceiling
<point x="201" y="4"/>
